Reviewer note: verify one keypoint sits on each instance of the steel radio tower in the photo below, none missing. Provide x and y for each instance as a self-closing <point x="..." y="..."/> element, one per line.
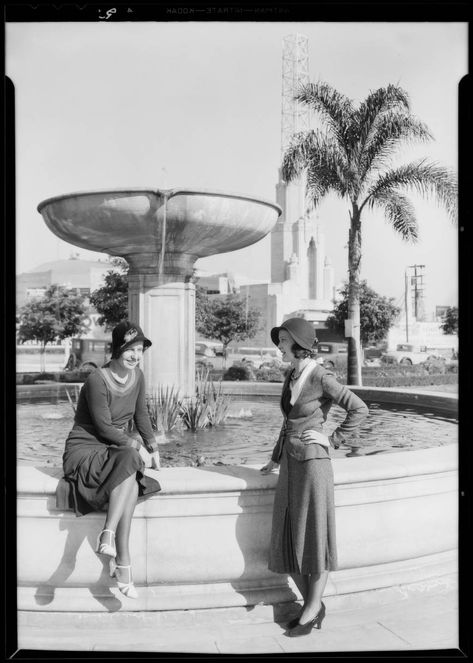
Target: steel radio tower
<point x="295" y="72"/>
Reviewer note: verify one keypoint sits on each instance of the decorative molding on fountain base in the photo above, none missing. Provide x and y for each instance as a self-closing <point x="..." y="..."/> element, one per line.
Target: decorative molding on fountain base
<point x="346" y="589"/>
<point x="203" y="541"/>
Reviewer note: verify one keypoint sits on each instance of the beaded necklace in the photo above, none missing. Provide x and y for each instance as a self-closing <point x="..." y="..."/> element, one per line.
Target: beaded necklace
<point x="118" y="378"/>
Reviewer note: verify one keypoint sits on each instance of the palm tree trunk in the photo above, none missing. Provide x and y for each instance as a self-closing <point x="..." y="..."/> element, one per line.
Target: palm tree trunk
<point x="354" y="263"/>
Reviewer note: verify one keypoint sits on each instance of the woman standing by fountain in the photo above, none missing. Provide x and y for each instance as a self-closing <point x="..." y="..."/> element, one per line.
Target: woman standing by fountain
<point x="103" y="464"/>
<point x="303" y="541"/>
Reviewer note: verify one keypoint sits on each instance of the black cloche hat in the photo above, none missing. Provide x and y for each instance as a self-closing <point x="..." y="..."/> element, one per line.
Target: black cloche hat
<point x="127" y="333"/>
<point x="302" y="331"/>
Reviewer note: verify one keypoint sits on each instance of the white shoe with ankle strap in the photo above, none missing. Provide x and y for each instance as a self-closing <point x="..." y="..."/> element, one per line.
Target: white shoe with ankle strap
<point x="107" y="549"/>
<point x="128" y="589"/>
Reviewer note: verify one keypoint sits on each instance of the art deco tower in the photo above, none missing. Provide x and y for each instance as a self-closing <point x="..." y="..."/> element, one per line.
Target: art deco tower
<point x="297" y="243"/>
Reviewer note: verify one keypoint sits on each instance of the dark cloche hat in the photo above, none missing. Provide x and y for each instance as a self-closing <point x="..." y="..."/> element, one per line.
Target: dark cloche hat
<point x="127" y="333"/>
<point x="302" y="331"/>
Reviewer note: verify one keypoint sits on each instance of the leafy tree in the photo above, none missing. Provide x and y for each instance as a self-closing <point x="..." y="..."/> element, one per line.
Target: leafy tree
<point x="377" y="314"/>
<point x="228" y="320"/>
<point x="202" y="307"/>
<point x="450" y="321"/>
<point x="350" y="156"/>
<point x="59" y="314"/>
<point x="111" y="299"/>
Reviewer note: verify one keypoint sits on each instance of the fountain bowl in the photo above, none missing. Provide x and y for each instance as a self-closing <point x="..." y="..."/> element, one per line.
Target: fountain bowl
<point x="130" y="222"/>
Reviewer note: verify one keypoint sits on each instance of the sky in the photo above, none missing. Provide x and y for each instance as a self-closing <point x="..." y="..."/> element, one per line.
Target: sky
<point x="192" y="104"/>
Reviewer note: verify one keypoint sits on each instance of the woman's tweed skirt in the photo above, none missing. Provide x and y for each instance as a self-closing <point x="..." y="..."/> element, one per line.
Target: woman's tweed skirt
<point x="303" y="530"/>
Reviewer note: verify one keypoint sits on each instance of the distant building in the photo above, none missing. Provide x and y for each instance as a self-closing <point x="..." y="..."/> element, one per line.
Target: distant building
<point x="82" y="275"/>
<point x="420" y="333"/>
<point x="441" y="312"/>
<point x="302" y="276"/>
<point x="216" y="284"/>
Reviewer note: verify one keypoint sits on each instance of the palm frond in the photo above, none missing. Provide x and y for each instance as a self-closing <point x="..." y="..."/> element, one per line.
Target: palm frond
<point x="370" y="110"/>
<point x="400" y="213"/>
<point x="390" y="129"/>
<point x="382" y="99"/>
<point x="320" y="156"/>
<point x="335" y="108"/>
<point x="320" y="181"/>
<point x="427" y="179"/>
<point x="310" y="148"/>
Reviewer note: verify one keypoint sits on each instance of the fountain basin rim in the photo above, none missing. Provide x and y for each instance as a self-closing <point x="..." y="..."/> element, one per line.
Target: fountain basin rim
<point x="35" y="480"/>
<point x="441" y="400"/>
<point x="169" y="193"/>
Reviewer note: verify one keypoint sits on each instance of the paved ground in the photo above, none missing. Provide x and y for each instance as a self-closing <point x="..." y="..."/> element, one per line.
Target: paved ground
<point x="418" y="622"/>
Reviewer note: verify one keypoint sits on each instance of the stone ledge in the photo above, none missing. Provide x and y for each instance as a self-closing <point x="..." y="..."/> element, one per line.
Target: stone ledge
<point x="185" y="480"/>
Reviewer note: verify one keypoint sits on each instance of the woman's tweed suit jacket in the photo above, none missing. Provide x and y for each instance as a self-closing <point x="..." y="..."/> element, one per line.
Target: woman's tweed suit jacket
<point x="310" y="410"/>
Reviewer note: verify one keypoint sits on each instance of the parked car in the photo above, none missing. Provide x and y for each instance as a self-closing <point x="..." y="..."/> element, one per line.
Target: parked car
<point x="88" y="354"/>
<point x="447" y="355"/>
<point x="257" y="357"/>
<point x="372" y="355"/>
<point x="451" y="358"/>
<point x="204" y="354"/>
<point x="328" y="353"/>
<point x="409" y="354"/>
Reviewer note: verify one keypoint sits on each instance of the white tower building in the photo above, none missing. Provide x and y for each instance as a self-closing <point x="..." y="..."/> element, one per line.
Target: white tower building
<point x="301" y="274"/>
<point x="298" y="261"/>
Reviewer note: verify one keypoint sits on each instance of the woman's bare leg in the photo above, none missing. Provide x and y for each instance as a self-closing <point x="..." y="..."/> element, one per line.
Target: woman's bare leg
<point x="117" y="502"/>
<point x="122" y="502"/>
<point x="316" y="588"/>
<point x="122" y="536"/>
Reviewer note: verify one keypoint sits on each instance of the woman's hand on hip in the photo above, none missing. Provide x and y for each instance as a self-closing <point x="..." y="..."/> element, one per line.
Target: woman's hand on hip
<point x="313" y="436"/>
<point x="269" y="467"/>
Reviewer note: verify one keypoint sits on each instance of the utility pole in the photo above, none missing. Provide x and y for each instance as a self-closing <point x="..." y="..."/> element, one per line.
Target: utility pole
<point x="417" y="281"/>
<point x="419" y="291"/>
<point x="406" y="303"/>
<point x="417" y="298"/>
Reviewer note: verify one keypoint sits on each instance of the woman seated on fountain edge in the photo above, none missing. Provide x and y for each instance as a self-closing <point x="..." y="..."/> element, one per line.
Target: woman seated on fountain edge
<point x="103" y="462"/>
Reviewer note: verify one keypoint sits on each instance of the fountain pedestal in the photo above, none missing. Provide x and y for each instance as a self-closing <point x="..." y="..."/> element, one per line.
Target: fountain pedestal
<point x="161" y="234"/>
<point x="167" y="307"/>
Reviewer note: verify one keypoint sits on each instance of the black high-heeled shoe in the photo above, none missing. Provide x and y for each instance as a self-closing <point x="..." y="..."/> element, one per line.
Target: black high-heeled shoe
<point x="305" y="629"/>
<point x="295" y="621"/>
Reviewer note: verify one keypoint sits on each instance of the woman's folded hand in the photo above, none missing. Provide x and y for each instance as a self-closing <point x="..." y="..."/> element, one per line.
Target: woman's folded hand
<point x="155" y="460"/>
<point x="145" y="455"/>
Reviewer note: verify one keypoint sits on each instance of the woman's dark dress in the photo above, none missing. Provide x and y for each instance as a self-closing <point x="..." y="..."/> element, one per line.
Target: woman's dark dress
<point x="303" y="536"/>
<point x="99" y="453"/>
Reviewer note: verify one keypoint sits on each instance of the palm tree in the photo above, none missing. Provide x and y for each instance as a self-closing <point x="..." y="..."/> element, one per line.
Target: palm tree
<point x="351" y="156"/>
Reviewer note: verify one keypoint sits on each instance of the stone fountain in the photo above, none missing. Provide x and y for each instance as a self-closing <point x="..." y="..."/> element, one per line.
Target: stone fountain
<point x="161" y="233"/>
